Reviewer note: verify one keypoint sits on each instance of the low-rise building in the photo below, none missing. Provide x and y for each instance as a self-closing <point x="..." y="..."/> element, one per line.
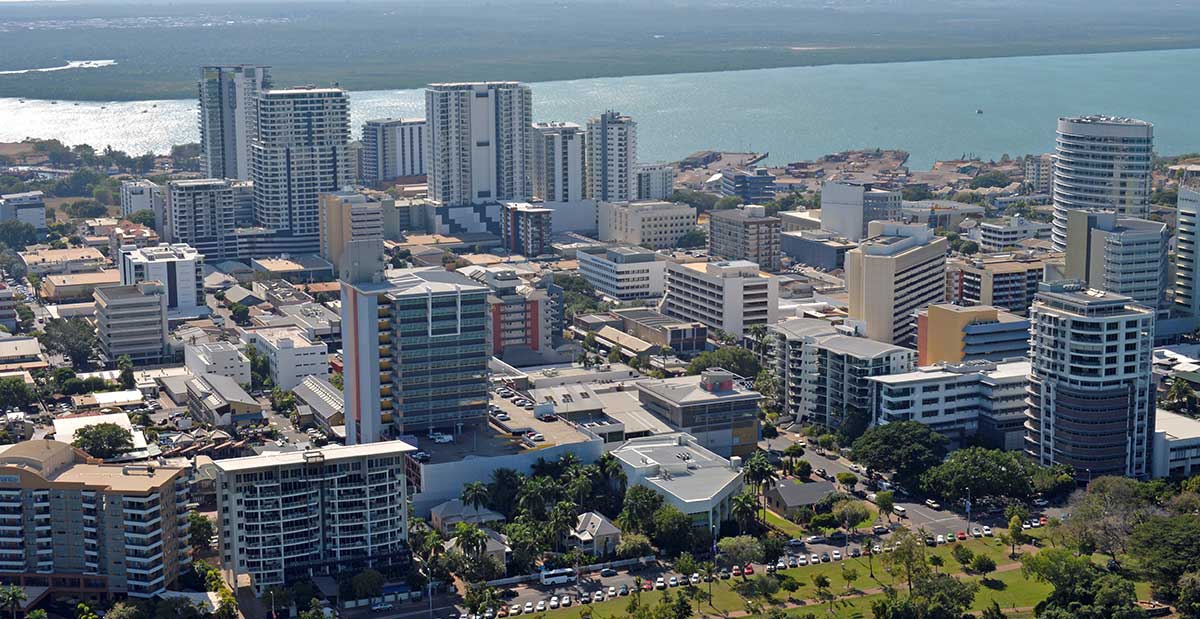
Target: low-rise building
<point x="594" y="534"/>
<point x="745" y="233"/>
<point x="1001" y="234"/>
<point x="290" y="354"/>
<point x="319" y="400"/>
<point x="688" y="476"/>
<point x="752" y="186"/>
<point x="304" y="268"/>
<point x="1176" y="453"/>
<point x="650" y="223"/>
<point x="816" y="248"/>
<point x="80" y="528"/>
<point x="76" y="287"/>
<point x="716" y="408"/>
<point x="131" y="321"/>
<point x="624" y="273"/>
<point x="787" y="497"/>
<point x="42" y="260"/>
<point x="8" y="308"/>
<point x="21" y="353"/>
<point x="128" y="233"/>
<point x="948" y="333"/>
<point x="446" y="516"/>
<point x="681" y="336"/>
<point x="221" y="402"/>
<point x="732" y="296"/>
<point x="343" y="509"/>
<point x="939" y="214"/>
<point x="221" y="358"/>
<point x="179" y="268"/>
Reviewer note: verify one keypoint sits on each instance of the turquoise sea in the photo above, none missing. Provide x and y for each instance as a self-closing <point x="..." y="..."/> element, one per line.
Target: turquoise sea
<point x="927" y="108"/>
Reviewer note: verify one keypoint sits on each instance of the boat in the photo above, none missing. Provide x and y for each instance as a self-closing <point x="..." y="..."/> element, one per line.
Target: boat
<point x="978" y="111"/>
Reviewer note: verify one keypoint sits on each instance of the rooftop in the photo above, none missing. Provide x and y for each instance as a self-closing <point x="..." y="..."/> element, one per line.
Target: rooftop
<point x="1011" y="368"/>
<point x="46" y="255"/>
<point x="1176" y="426"/>
<point x="111" y="276"/>
<point x="59" y="462"/>
<point x="676" y="464"/>
<point x="334" y="453"/>
<point x="687" y="390"/>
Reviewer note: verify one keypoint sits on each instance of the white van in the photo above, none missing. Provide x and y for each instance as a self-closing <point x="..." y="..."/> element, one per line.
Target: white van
<point x="900" y="511"/>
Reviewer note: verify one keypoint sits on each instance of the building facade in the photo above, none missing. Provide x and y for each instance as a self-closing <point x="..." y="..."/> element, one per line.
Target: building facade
<point x="142" y="195"/>
<point x="131" y="320"/>
<point x="290" y="354"/>
<point x="655" y="181"/>
<point x="715" y="407"/>
<point x="179" y="268"/>
<point x="745" y="233"/>
<point x="611" y="157"/>
<point x="559" y="166"/>
<point x="1005" y="281"/>
<point x="520" y="316"/>
<point x="896" y="271"/>
<point x="203" y="214"/>
<point x="948" y="333"/>
<point x="1003" y="234"/>
<point x="392" y="148"/>
<point x="228" y="96"/>
<point x="347" y="216"/>
<point x="650" y="223"/>
<point x="733" y="296"/>
<point x="525" y="228"/>
<point x="1187" y="215"/>
<point x="1121" y="255"/>
<point x="847" y="208"/>
<point x="624" y="273"/>
<point x="27" y="208"/>
<point x="751" y="186"/>
<point x="221" y="358"/>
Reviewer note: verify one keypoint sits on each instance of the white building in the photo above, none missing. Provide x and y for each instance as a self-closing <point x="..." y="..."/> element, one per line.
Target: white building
<point x="998" y="235"/>
<point x="1039" y="173"/>
<point x="221" y="358"/>
<point x="1121" y="255"/>
<point x="650" y="222"/>
<point x="981" y="399"/>
<point x="1101" y="163"/>
<point x="392" y="148"/>
<point x="286" y="517"/>
<point x="1176" y="446"/>
<point x="624" y="272"/>
<point x="27" y="208"/>
<point x="898" y="270"/>
<point x="558" y="163"/>
<point x="479" y="142"/>
<point x="301" y="150"/>
<point x="1187" y="213"/>
<point x="142" y="195"/>
<point x="203" y="214"/>
<point x="732" y="296"/>
<point x="689" y="477"/>
<point x="131" y="321"/>
<point x="179" y="268"/>
<point x="655" y="181"/>
<point x="1091" y="387"/>
<point x="290" y="354"/>
<point x="847" y="208"/>
<point x="227" y="121"/>
<point x="611" y="157"/>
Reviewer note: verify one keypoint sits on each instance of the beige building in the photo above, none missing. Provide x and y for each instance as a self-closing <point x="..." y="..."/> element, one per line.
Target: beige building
<point x="732" y="296"/>
<point x="745" y="233"/>
<point x="45" y="261"/>
<point x="132" y="320"/>
<point x="652" y="223"/>
<point x="1008" y="281"/>
<point x="90" y="530"/>
<point x="896" y="271"/>
<point x="348" y="216"/>
<point x="76" y="286"/>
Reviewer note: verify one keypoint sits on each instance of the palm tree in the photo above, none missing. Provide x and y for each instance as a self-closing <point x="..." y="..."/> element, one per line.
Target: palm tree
<point x="535" y="495"/>
<point x="744" y="509"/>
<point x="567" y="461"/>
<point x="581" y="483"/>
<point x="472" y="541"/>
<point x="760" y="474"/>
<point x="613" y="480"/>
<point x="758" y="334"/>
<point x="475" y="494"/>
<point x="708" y="570"/>
<point x="664" y="353"/>
<point x="12" y="598"/>
<point x="506" y="484"/>
<point x="1180" y="393"/>
<point x="563" y="519"/>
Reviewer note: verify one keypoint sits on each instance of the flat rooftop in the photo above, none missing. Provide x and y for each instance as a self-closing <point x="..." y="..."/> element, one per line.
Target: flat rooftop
<point x="1175" y="425"/>
<point x="486" y="440"/>
<point x="686" y="471"/>
<point x="337" y="452"/>
<point x="685" y="390"/>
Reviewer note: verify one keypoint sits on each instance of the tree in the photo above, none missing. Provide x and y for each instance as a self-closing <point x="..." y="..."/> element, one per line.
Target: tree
<point x="1016" y="534"/>
<point x="143" y="217"/>
<point x="744" y="510"/>
<point x="908" y="448"/>
<point x="73" y="337"/>
<point x="38" y="613"/>
<point x="315" y="610"/>
<point x="240" y="313"/>
<point x="176" y="608"/>
<point x="962" y="554"/>
<point x="982" y="564"/>
<point x="739" y="550"/>
<point x="1188" y="603"/>
<point x="885" y="500"/>
<point x="687" y="565"/>
<point x="638" y="512"/>
<point x="12" y="598"/>
<point x="732" y="358"/>
<point x="15" y="235"/>
<point x="123" y="610"/>
<point x="1104" y="516"/>
<point x="200" y="531"/>
<point x="822" y="583"/>
<point x="850" y="575"/>
<point x="847" y="480"/>
<point x="614" y="355"/>
<point x="368" y="584"/>
<point x="994" y="178"/>
<point x="125" y="365"/>
<point x="103" y="440"/>
<point x="672" y="530"/>
<point x="475" y="494"/>
<point x="773" y="545"/>
<point x="14" y="392"/>
<point x="1180" y="394"/>
<point x="993" y="612"/>
<point x="1164" y="549"/>
<point x="802" y="469"/>
<point x="980" y="473"/>
<point x="471" y="540"/>
<point x="1080" y="589"/>
<point x="634" y="545"/>
<point x="696" y="237"/>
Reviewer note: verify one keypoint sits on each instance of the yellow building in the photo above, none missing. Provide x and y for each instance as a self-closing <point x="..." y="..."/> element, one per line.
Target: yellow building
<point x="949" y="333"/>
<point x="897" y="270"/>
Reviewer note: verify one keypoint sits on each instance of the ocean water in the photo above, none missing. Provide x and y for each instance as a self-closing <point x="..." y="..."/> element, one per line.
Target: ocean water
<point x="927" y="108"/>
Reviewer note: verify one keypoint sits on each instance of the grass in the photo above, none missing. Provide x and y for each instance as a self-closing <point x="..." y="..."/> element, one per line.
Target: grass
<point x="787" y="527"/>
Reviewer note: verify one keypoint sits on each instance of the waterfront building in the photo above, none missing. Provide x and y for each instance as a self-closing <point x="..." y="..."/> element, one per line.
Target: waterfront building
<point x="898" y="270"/>
<point x="847" y="207"/>
<point x="652" y="223"/>
<point x="611" y="156"/>
<point x="655" y="181"/>
<point x="745" y="233"/>
<point x="228" y="96"/>
<point x="1101" y="163"/>
<point x="624" y="273"/>
<point x="131" y="320"/>
<point x="392" y="148"/>
<point x="948" y="333"/>
<point x="752" y="187"/>
<point x="732" y="295"/>
<point x="559" y="166"/>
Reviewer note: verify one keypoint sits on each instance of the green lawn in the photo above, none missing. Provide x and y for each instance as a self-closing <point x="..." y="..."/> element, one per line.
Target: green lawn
<point x="787" y="527"/>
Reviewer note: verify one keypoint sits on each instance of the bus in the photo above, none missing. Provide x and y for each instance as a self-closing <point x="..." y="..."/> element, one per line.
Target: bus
<point x="563" y="576"/>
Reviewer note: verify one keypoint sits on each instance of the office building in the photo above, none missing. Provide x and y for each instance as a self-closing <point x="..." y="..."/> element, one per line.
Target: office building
<point x="347" y="216"/>
<point x="227" y="118"/>
<point x="1091" y="390"/>
<point x="80" y="528"/>
<point x="392" y="148"/>
<point x="288" y="517"/>
<point x="219" y="401"/>
<point x="716" y="408"/>
<point x="27" y="208"/>
<point x="290" y="354"/>
<point x="655" y="181"/>
<point x="1101" y="163"/>
<point x="143" y="195"/>
<point x="8" y="308"/>
<point x="415" y="351"/>
<point x="732" y="296"/>
<point x="301" y="150"/>
<point x="179" y="268"/>
<point x="685" y="474"/>
<point x="1187" y="269"/>
<point x="752" y="187"/>
<point x="76" y="287"/>
<point x="203" y="214"/>
<point x="649" y="223"/>
<point x="43" y="260"/>
<point x="893" y="273"/>
<point x="611" y="156"/>
<point x="1121" y="255"/>
<point x="824" y="375"/>
<point x="983" y="400"/>
<point x="847" y="207"/>
<point x="525" y="228"/>
<point x="624" y="272"/>
<point x="948" y="333"/>
<point x="1176" y="446"/>
<point x="1002" y="234"/>
<point x="559" y="167"/>
<point x="479" y="142"/>
<point x="815" y="248"/>
<point x="519" y="315"/>
<point x="129" y="233"/>
<point x="131" y="320"/>
<point x="222" y="358"/>
<point x="1039" y="173"/>
<point x="681" y="336"/>
<point x="1005" y="281"/>
<point x="745" y="233"/>
<point x="939" y="214"/>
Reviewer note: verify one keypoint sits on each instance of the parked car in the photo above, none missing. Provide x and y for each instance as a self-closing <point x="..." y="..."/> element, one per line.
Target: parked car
<point x="987" y="531"/>
<point x="837" y="555"/>
<point x="382" y="606"/>
<point x="941" y="539"/>
<point x="608" y="571"/>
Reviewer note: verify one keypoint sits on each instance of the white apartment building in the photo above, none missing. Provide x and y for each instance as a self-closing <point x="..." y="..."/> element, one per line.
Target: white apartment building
<point x="290" y="353"/>
<point x="1121" y="255"/>
<point x="178" y="267"/>
<point x="654" y="223"/>
<point x="611" y="157"/>
<point x="221" y="358"/>
<point x="301" y="150"/>
<point x="479" y="142"/>
<point x="142" y="195"/>
<point x="286" y="517"/>
<point x="655" y="181"/>
<point x="898" y="270"/>
<point x="392" y="148"/>
<point x="624" y="273"/>
<point x="1187" y="216"/>
<point x="998" y="235"/>
<point x="1039" y="173"/>
<point x="131" y="321"/>
<point x="1101" y="163"/>
<point x="825" y="374"/>
<point x="847" y="208"/>
<point x="1091" y="397"/>
<point x="27" y="207"/>
<point x="227" y="118"/>
<point x="558" y="163"/>
<point x="981" y="399"/>
<point x="203" y="214"/>
<point x="732" y="296"/>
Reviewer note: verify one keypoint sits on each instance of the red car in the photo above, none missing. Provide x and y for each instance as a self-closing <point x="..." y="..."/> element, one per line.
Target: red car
<point x="961" y="535"/>
<point x="1043" y="520"/>
<point x="749" y="569"/>
<point x="647" y="586"/>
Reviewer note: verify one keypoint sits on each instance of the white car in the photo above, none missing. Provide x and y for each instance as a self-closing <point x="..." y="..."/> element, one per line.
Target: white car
<point x="566" y="601"/>
<point x="814" y="559"/>
<point x="598" y="596"/>
<point x="536" y="437"/>
<point x="502" y="417"/>
<point x="515" y="609"/>
<point x="554" y="601"/>
<point x="541" y="605"/>
<point x="660" y="583"/>
<point x="442" y="439"/>
<point x="801" y="560"/>
<point x="781" y="565"/>
<point x="837" y="555"/>
<point x="612" y="592"/>
<point x="987" y="531"/>
<point x="382" y="606"/>
<point x="695" y="579"/>
<point x="528" y="607"/>
<point x="674" y="582"/>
